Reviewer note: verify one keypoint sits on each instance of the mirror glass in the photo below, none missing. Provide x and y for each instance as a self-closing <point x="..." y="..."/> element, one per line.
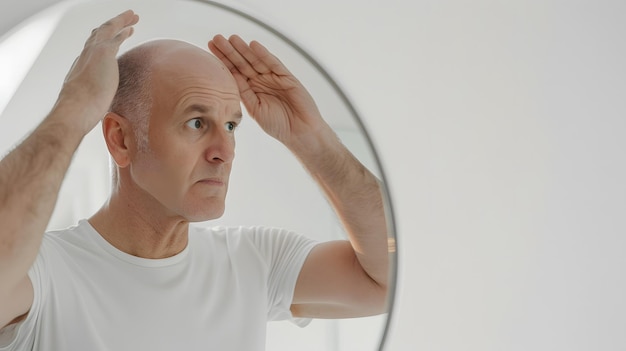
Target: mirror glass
<point x="268" y="186"/>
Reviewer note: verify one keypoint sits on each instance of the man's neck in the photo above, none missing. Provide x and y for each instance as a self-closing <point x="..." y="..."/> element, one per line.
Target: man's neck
<point x="136" y="231"/>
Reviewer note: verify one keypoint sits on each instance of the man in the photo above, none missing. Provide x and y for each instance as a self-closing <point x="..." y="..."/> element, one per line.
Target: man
<point x="134" y="275"/>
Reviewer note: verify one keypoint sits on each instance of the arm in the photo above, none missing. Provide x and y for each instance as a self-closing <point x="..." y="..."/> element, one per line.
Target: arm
<point x="31" y="174"/>
<point x="339" y="278"/>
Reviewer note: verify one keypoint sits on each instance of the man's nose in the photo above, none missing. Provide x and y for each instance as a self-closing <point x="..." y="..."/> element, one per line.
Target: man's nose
<point x="220" y="146"/>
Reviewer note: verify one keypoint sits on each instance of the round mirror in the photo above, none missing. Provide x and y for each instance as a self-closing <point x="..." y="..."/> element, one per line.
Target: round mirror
<point x="268" y="185"/>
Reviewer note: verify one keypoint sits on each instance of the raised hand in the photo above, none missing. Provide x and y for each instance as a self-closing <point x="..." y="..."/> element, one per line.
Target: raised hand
<point x="32" y="173"/>
<point x="94" y="76"/>
<point x="271" y="94"/>
<point x="353" y="276"/>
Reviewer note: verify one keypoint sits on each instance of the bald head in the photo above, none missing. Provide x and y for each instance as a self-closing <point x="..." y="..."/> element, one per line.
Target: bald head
<point x="141" y="66"/>
<point x="168" y="52"/>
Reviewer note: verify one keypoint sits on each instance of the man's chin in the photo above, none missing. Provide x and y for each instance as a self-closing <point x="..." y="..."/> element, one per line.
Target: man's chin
<point x="206" y="216"/>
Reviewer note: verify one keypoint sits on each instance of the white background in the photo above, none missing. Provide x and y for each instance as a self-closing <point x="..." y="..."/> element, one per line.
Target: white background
<point x="501" y="129"/>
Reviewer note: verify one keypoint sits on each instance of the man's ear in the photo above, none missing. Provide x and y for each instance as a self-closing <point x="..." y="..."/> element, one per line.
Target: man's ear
<point x="117" y="135"/>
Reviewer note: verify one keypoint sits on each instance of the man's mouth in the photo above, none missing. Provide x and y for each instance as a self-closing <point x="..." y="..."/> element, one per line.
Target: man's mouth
<point x="212" y="181"/>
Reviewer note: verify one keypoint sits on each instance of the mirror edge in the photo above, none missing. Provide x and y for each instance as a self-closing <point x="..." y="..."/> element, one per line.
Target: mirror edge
<point x="239" y="10"/>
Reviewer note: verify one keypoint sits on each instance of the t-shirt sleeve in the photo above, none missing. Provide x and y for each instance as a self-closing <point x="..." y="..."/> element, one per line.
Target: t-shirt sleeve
<point x="285" y="253"/>
<point x="21" y="336"/>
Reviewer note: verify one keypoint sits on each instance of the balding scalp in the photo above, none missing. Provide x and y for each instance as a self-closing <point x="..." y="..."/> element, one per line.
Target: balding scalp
<point x="133" y="99"/>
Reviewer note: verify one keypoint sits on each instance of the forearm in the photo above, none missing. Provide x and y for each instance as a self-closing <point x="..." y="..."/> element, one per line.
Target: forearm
<point x="355" y="194"/>
<point x="30" y="179"/>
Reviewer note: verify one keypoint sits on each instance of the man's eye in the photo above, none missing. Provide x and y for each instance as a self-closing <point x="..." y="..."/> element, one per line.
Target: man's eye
<point x="195" y="123"/>
<point x="231" y="126"/>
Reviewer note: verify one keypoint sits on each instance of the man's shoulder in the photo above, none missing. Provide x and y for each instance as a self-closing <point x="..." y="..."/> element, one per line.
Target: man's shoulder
<point x="70" y="235"/>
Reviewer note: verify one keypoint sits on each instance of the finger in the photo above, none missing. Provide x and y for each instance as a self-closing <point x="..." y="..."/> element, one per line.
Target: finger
<point x="250" y="56"/>
<point x="124" y="19"/>
<point x="239" y="77"/>
<point x="111" y="28"/>
<point x="216" y="51"/>
<point x="123" y="35"/>
<point x="248" y="96"/>
<point x="234" y="57"/>
<point x="268" y="59"/>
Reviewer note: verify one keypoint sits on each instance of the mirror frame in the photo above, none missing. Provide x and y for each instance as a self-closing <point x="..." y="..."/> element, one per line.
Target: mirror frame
<point x="389" y="213"/>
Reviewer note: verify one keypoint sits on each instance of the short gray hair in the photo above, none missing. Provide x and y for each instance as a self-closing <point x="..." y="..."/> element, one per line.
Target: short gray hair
<point x="133" y="99"/>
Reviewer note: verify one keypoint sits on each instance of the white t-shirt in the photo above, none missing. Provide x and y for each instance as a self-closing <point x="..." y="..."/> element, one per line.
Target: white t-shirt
<point x="217" y="294"/>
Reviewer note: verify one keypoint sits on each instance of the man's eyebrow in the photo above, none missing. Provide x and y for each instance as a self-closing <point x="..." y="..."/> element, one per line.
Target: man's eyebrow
<point x="197" y="108"/>
<point x="206" y="109"/>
